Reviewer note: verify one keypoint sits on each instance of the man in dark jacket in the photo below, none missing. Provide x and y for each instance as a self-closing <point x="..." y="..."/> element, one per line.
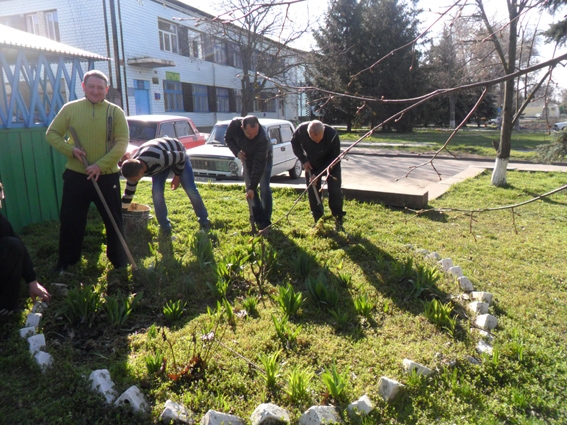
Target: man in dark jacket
<point x="248" y="141"/>
<point x="157" y="158"/>
<point x="317" y="145"/>
<point x="15" y="265"/>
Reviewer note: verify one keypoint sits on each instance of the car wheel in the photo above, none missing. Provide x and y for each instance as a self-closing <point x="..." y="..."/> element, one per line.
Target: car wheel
<point x="295" y="172"/>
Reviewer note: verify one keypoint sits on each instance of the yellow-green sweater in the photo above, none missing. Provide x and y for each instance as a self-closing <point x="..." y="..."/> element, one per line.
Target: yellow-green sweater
<point x="103" y="147"/>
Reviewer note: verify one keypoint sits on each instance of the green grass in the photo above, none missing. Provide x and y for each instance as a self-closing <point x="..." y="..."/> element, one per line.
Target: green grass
<point x="520" y="260"/>
<point x="467" y="142"/>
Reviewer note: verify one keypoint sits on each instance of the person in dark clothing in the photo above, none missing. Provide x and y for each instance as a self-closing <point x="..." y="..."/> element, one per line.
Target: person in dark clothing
<point x="317" y="145"/>
<point x="157" y="158"/>
<point x="248" y="141"/>
<point x="15" y="265"/>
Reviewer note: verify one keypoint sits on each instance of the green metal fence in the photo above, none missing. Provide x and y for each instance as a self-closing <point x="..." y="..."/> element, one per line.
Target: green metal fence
<point x="30" y="170"/>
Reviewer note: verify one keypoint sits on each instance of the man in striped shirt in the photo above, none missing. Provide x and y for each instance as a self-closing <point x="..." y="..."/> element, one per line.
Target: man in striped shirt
<point x="157" y="158"/>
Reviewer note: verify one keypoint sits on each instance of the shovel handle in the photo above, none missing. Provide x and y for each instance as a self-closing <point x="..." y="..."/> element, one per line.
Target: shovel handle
<point x="103" y="201"/>
<point x="250" y="209"/>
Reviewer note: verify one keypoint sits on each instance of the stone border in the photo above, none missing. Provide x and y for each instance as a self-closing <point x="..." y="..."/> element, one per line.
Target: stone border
<point x="267" y="413"/>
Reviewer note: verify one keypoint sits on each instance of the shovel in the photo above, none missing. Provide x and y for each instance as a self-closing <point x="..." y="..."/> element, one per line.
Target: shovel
<point x="110" y="216"/>
<point x="250" y="210"/>
<point x="314" y="188"/>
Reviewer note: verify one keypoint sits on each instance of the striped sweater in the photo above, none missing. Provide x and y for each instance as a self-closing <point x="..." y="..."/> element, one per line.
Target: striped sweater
<point x="101" y="128"/>
<point x="158" y="155"/>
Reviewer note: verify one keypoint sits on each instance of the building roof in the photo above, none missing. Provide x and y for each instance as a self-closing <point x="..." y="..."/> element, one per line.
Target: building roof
<point x="13" y="40"/>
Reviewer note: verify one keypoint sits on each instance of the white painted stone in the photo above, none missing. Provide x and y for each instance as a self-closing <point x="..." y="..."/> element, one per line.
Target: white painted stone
<point x="486" y="322"/>
<point x="445" y="263"/>
<point x="212" y="417"/>
<point x="27" y="331"/>
<point x="477" y="307"/>
<point x="39" y="307"/>
<point x="388" y="388"/>
<point x="485" y="297"/>
<point x="33" y="319"/>
<point x="61" y="288"/>
<point x="269" y="414"/>
<point x="465" y="284"/>
<point x="434" y="256"/>
<point x="486" y="335"/>
<point x="36" y="342"/>
<point x="101" y="382"/>
<point x="133" y="397"/>
<point x="483" y="348"/>
<point x="176" y="413"/>
<point x="410" y="365"/>
<point x="362" y="406"/>
<point x="456" y="271"/>
<point x="43" y="359"/>
<point x="318" y="415"/>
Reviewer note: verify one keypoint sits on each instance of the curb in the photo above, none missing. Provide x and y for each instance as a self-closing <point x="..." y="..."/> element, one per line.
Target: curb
<point x="366" y="150"/>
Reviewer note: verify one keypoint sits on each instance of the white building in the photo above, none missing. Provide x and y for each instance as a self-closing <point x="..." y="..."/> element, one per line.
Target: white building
<point x="163" y="60"/>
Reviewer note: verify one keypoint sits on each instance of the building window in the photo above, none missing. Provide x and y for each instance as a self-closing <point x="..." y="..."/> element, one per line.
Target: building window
<point x="200" y="98"/>
<point x="220" y="52"/>
<point x="172" y="96"/>
<point x="236" y="57"/>
<point x="238" y="100"/>
<point x="167" y="36"/>
<point x="195" y="45"/>
<point x="52" y="25"/>
<point x="32" y="24"/>
<point x="222" y="100"/>
<point x="265" y="102"/>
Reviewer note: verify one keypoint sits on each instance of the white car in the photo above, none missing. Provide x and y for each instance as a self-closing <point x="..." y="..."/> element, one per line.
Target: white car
<point x="214" y="160"/>
<point x="558" y="126"/>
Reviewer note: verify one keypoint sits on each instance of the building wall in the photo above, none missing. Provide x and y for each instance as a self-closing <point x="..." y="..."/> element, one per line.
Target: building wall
<point x="82" y="24"/>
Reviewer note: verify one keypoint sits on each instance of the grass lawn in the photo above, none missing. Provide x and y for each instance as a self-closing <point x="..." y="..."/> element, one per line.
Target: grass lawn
<point x="473" y="141"/>
<point x="314" y="298"/>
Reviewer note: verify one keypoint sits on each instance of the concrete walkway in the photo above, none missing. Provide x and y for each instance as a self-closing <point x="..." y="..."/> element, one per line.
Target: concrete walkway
<point x="408" y="180"/>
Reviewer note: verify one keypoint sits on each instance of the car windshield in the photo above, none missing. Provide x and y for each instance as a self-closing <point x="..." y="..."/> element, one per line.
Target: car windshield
<point x="217" y="135"/>
<point x="142" y="130"/>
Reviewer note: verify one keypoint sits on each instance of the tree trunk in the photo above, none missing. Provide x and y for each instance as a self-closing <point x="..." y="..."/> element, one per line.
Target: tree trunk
<point x="499" y="172"/>
<point x="452" y="111"/>
<point x="247" y="96"/>
<point x="505" y="146"/>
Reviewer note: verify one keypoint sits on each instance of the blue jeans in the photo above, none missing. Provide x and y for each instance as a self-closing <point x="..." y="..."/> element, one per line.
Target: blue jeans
<point x="188" y="183"/>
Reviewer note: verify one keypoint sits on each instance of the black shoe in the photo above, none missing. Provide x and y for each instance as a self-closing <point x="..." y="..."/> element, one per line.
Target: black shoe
<point x="339" y="224"/>
<point x="205" y="225"/>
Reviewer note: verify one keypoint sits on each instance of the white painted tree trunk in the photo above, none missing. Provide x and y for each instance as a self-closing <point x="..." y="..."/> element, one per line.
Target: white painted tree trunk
<point x="499" y="172"/>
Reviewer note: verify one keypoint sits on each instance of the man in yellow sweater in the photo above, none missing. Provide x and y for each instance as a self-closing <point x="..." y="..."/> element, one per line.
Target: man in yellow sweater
<point x="102" y="130"/>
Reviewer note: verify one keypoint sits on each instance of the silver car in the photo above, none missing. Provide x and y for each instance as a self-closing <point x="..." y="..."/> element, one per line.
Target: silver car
<point x="215" y="161"/>
<point x="558" y="126"/>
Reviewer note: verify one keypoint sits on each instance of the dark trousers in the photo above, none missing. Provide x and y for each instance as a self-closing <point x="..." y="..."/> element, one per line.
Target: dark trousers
<point x="78" y="193"/>
<point x="262" y="205"/>
<point x="334" y="184"/>
<point x="12" y="252"/>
